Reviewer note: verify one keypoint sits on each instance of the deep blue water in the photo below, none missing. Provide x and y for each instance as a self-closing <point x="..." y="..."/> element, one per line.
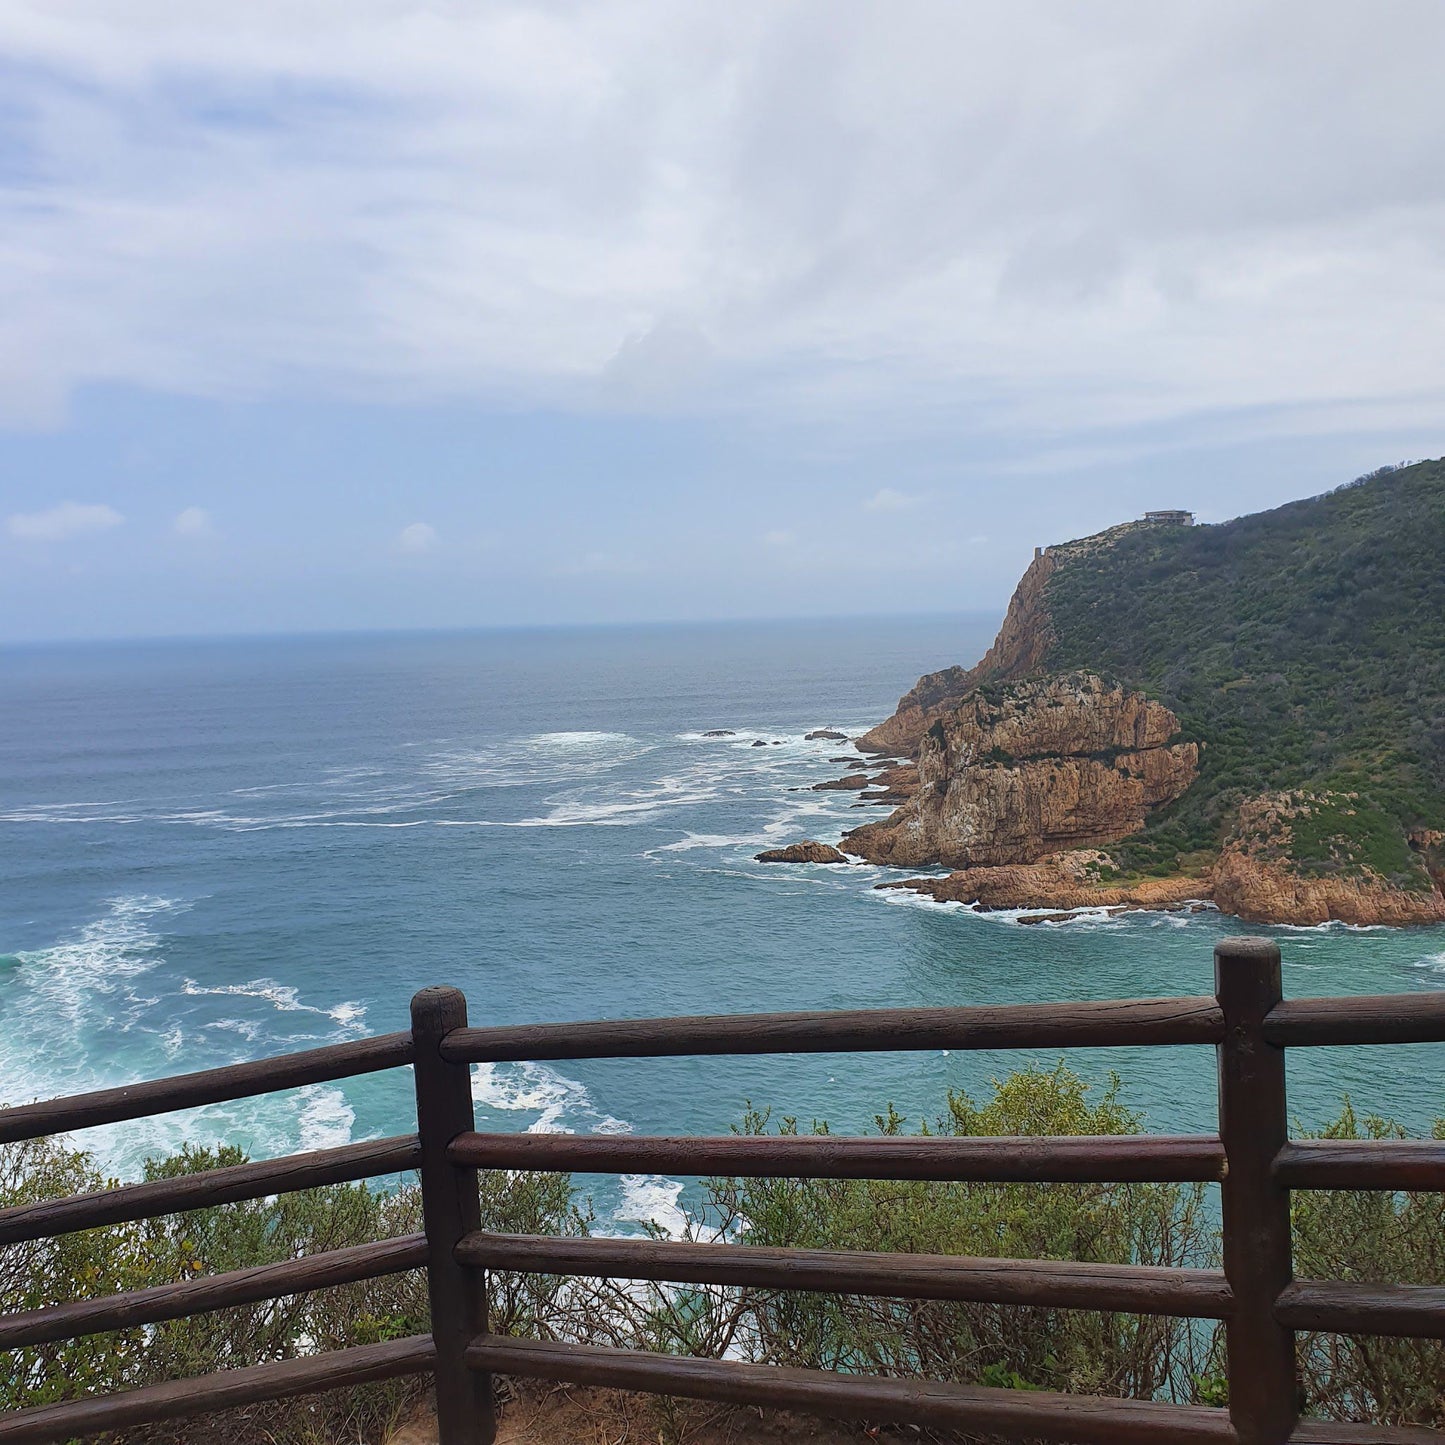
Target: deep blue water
<point x="212" y="851"/>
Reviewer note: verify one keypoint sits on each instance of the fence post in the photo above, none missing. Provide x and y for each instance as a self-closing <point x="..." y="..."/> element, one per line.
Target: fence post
<point x="1253" y="1125"/>
<point x="450" y="1209"/>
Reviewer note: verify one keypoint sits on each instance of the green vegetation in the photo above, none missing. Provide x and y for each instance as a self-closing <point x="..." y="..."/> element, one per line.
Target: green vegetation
<point x="1354" y="1236"/>
<point x="210" y="1241"/>
<point x="1304" y="647"/>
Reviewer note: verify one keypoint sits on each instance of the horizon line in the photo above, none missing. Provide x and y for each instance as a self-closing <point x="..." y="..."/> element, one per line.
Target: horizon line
<point x="468" y="629"/>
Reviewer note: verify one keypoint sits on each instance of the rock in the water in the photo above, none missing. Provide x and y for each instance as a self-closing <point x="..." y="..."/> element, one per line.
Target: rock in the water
<point x="850" y="784"/>
<point x="828" y="734"/>
<point x="719" y="733"/>
<point x="759" y="743"/>
<point x="808" y="851"/>
<point x="1047" y="917"/>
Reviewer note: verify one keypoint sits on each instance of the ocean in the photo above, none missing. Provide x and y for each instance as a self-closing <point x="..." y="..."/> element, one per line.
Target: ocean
<point x="212" y="851"/>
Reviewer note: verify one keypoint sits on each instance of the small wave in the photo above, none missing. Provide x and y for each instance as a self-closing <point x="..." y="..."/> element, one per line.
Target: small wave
<point x="907" y="898"/>
<point x="1335" y="925"/>
<point x="579" y="739"/>
<point x="1431" y="963"/>
<point x="562" y="1105"/>
<point x="632" y="805"/>
<point x="283" y="997"/>
<point x="326" y="1119"/>
<point x="652" y="1199"/>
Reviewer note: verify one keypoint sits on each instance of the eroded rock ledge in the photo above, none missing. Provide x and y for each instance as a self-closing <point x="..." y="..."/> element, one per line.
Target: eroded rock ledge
<point x="1013" y="774"/>
<point x="1065" y="881"/>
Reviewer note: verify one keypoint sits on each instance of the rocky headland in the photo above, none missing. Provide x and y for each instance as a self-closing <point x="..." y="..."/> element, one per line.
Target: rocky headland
<point x="1251" y="714"/>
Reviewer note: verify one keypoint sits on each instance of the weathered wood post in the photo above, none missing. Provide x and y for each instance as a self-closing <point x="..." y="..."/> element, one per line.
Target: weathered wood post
<point x="1253" y="1125"/>
<point x="450" y="1210"/>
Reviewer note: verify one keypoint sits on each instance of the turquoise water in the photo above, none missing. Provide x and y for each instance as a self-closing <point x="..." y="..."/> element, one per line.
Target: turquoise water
<point x="213" y="851"/>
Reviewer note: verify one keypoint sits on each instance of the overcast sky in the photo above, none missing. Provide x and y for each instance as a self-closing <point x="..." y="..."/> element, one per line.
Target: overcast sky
<point x="369" y="314"/>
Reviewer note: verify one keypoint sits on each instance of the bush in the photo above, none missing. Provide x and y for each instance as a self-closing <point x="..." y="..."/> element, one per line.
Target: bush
<point x="1345" y="1235"/>
<point x="1035" y="1348"/>
<point x="236" y="1236"/>
<point x="1381" y="1238"/>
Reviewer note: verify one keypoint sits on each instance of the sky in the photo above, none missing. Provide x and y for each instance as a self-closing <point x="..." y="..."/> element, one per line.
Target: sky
<point x="374" y="313"/>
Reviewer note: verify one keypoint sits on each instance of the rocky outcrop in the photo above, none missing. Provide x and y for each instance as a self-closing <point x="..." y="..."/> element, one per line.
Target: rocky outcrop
<point x="895" y="785"/>
<point x="827" y="734"/>
<point x="1014" y="774"/>
<point x="1019" y="649"/>
<point x="808" y="851"/>
<point x="1067" y="880"/>
<point x="1258" y="878"/>
<point x="851" y="784"/>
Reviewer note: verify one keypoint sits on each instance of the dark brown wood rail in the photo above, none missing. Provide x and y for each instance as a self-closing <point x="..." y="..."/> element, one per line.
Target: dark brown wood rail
<point x="1251" y="1158"/>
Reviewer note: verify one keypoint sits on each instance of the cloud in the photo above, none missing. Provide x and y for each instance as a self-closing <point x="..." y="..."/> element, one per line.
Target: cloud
<point x="60" y="524"/>
<point x="777" y="539"/>
<point x="193" y="522"/>
<point x="886" y="499"/>
<point x="1052" y="216"/>
<point x="417" y="538"/>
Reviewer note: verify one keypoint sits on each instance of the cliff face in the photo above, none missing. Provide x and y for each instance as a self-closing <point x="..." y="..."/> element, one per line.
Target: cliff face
<point x="1259" y="880"/>
<point x="1305" y="646"/>
<point x="1015" y="774"/>
<point x="1018" y="650"/>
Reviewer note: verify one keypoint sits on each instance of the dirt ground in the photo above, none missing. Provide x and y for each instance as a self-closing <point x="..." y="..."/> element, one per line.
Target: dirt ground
<point x="603" y="1417"/>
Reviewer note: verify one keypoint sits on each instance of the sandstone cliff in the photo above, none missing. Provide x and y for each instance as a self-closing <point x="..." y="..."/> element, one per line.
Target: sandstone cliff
<point x="1019" y="649"/>
<point x="1304" y="647"/>
<point x="1259" y="879"/>
<point x="1011" y="775"/>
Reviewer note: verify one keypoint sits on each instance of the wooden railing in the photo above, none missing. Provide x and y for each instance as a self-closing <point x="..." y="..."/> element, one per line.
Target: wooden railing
<point x="1251" y="1158"/>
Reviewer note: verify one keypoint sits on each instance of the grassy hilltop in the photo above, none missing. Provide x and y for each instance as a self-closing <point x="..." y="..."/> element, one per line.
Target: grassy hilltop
<point x="1304" y="647"/>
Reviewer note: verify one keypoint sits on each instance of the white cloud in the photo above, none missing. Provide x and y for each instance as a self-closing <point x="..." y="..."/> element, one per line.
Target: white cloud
<point x="777" y="539"/>
<point x="886" y="499"/>
<point x="1034" y="213"/>
<point x="418" y="537"/>
<point x="193" y="522"/>
<point x="60" y="524"/>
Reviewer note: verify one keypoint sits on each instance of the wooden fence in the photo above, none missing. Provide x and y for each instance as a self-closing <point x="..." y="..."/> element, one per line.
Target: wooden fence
<point x="1251" y="1157"/>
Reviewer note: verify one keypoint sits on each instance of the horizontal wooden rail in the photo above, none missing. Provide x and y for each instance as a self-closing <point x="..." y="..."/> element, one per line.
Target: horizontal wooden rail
<point x="1362" y="1164"/>
<point x="209" y="1086"/>
<point x="1020" y="1414"/>
<point x="1339" y="1432"/>
<point x="1061" y="1284"/>
<point x="1387" y="1018"/>
<point x="1009" y="1026"/>
<point x="224" y="1390"/>
<point x="211" y="1292"/>
<point x="209" y="1187"/>
<point x="1348" y="1308"/>
<point x="1005" y="1159"/>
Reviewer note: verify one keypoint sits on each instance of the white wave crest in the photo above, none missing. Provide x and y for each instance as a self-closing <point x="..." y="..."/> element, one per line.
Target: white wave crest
<point x="65" y="1008"/>
<point x="326" y="1119"/>
<point x="283" y="997"/>
<point x="562" y="1105"/>
<point x="652" y="1199"/>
